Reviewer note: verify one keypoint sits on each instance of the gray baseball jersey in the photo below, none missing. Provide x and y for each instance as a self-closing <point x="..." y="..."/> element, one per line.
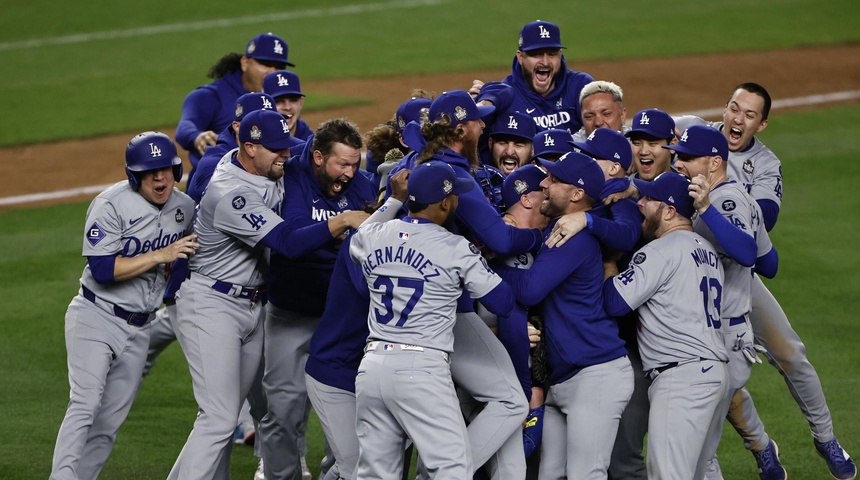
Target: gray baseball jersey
<point x="676" y="283"/>
<point x="733" y="202"/>
<point x="236" y="212"/>
<point x="418" y="269"/>
<point x="121" y="221"/>
<point x="758" y="169"/>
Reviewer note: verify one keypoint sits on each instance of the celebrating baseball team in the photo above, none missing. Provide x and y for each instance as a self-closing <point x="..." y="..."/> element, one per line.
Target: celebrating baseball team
<point x="518" y="283"/>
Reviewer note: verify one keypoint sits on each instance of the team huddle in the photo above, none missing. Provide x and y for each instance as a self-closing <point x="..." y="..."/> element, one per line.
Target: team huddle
<point x="518" y="283"/>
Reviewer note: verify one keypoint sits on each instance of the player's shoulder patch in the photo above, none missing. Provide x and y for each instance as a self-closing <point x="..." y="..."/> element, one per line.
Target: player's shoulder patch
<point x="729" y="205"/>
<point x="474" y="249"/>
<point x="639" y="258"/>
<point x="238" y="202"/>
<point x="95" y="234"/>
<point x="748" y="166"/>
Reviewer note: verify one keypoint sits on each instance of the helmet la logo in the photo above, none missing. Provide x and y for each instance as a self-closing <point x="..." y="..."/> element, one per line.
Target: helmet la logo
<point x="154" y="150"/>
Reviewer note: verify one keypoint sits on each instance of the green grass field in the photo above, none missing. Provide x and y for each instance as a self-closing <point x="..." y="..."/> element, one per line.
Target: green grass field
<point x="59" y="87"/>
<point x="58" y="90"/>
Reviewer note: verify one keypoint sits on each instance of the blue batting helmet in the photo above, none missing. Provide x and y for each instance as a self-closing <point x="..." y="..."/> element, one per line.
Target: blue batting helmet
<point x="150" y="151"/>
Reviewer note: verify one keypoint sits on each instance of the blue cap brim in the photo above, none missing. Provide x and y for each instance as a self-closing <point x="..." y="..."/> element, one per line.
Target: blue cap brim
<point x="462" y="185"/>
<point x="412" y="136"/>
<point x="284" y="143"/>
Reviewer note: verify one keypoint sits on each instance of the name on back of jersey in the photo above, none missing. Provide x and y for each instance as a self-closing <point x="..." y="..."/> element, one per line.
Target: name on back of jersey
<point x="403" y="255"/>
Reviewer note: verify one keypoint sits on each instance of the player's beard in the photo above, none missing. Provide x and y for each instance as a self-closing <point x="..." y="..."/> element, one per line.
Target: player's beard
<point x="326" y="182"/>
<point x="470" y="150"/>
<point x="651" y="224"/>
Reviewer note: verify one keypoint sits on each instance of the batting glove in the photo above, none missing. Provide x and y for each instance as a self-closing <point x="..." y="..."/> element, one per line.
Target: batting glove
<point x="533" y="430"/>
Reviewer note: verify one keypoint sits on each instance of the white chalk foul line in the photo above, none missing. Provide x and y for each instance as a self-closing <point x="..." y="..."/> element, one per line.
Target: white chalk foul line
<point x="787" y="102"/>
<point x="710" y="112"/>
<point x="217" y="23"/>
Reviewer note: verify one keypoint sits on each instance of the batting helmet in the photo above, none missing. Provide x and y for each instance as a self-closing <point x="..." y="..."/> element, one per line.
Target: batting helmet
<point x="150" y="151"/>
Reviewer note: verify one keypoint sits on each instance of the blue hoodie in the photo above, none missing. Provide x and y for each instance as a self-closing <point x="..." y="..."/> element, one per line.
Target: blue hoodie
<point x="299" y="282"/>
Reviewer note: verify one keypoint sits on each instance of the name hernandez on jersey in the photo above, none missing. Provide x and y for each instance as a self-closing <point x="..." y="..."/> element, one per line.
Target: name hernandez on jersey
<point x="413" y="296"/>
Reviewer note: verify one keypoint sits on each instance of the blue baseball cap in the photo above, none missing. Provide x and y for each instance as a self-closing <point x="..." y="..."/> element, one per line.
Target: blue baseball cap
<point x="539" y="34"/>
<point x="607" y="144"/>
<point x="283" y="82"/>
<point x="251" y="102"/>
<point x="459" y="106"/>
<point x="552" y="141"/>
<point x="702" y="141"/>
<point x="653" y="122"/>
<point x="670" y="188"/>
<point x="432" y="181"/>
<point x="520" y="182"/>
<point x="268" y="47"/>
<point x="515" y="124"/>
<point x="579" y="170"/>
<point x="410" y="111"/>
<point x="267" y="128"/>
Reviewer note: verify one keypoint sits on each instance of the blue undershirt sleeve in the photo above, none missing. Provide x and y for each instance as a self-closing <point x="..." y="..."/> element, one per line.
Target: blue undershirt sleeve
<point x="613" y="303"/>
<point x="767" y="264"/>
<point x="101" y="267"/>
<point x="295" y="243"/>
<point x="737" y="244"/>
<point x="770" y="212"/>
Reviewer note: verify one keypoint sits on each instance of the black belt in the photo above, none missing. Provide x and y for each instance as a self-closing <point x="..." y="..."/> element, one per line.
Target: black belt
<point x="652" y="374"/>
<point x="239" y="291"/>
<point x="133" y="318"/>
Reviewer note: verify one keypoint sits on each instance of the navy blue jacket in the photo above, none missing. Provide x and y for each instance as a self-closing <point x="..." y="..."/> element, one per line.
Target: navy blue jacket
<point x="299" y="281"/>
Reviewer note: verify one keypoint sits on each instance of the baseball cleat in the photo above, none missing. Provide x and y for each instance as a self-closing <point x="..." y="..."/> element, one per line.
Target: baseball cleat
<point x="767" y="460"/>
<point x="838" y="462"/>
<point x="260" y="474"/>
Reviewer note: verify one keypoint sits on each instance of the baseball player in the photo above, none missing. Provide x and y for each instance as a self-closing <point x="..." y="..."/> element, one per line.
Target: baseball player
<point x="675" y="283"/>
<point x="759" y="170"/>
<point x="731" y="220"/>
<point x="208" y="109"/>
<point x="220" y="306"/>
<point x="550" y="144"/>
<point x="227" y="140"/>
<point x="325" y="197"/>
<point x="284" y="87"/>
<point x="511" y="141"/>
<point x="652" y="129"/>
<point x="602" y="107"/>
<point x="481" y="366"/>
<point x="389" y="135"/>
<point x="404" y="386"/>
<point x="540" y="84"/>
<point x="337" y="345"/>
<point x="590" y="379"/>
<point x="134" y="230"/>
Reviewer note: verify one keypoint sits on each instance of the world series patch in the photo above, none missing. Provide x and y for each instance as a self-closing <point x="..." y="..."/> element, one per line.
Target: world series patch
<point x="474" y="249"/>
<point x="239" y="202"/>
<point x="639" y="258"/>
<point x="180" y="217"/>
